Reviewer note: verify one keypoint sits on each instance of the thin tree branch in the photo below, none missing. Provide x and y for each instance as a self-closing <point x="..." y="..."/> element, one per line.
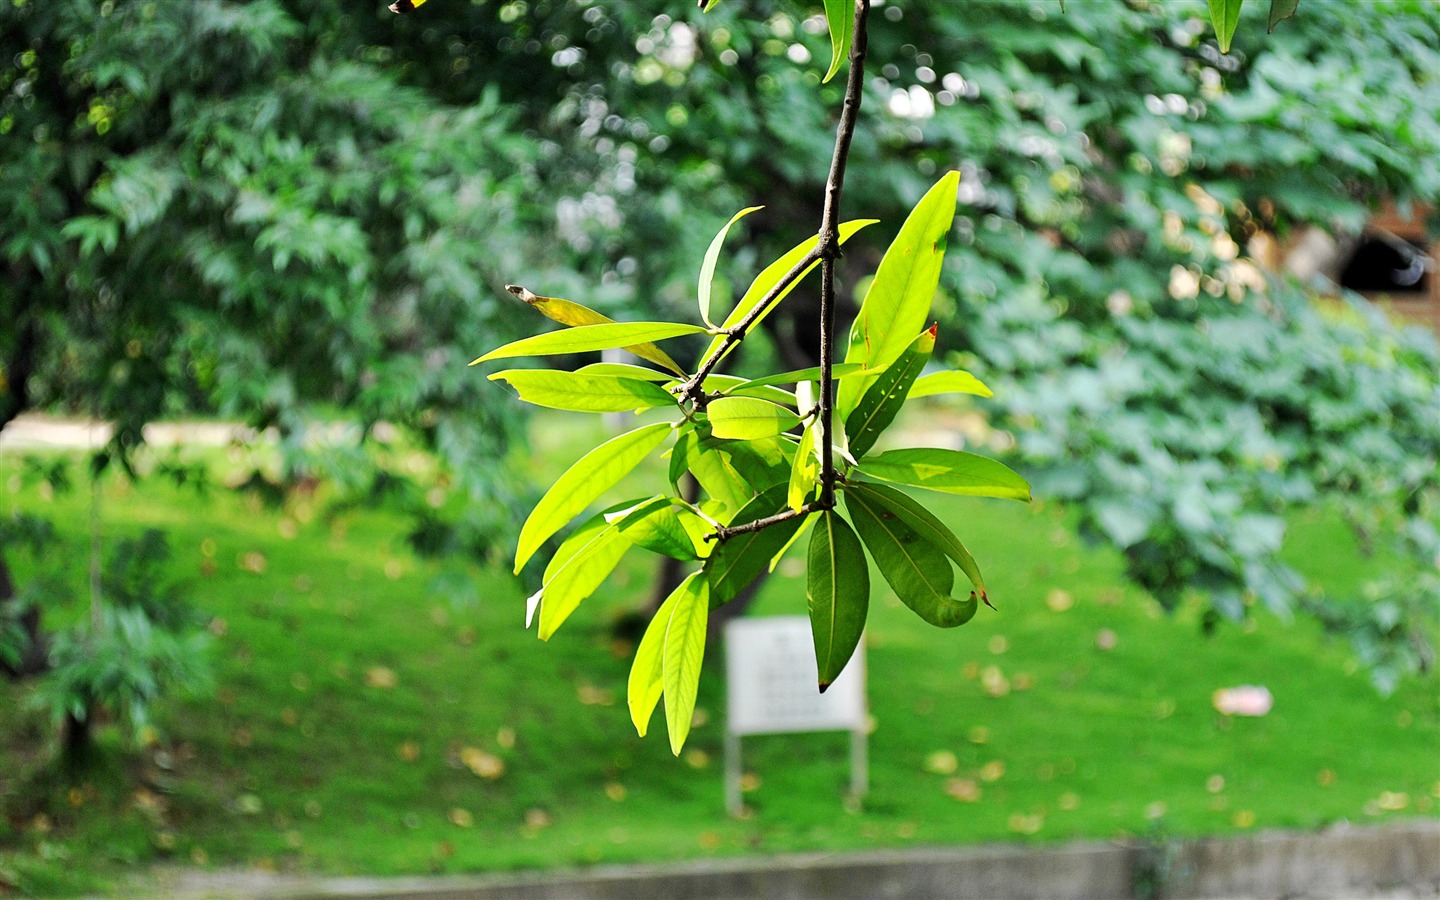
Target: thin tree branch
<point x="783" y="515"/>
<point x="829" y="247"/>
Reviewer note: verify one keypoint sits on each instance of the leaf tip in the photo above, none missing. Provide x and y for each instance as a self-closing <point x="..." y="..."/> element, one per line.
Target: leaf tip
<point x="984" y="598"/>
<point x="824" y="685"/>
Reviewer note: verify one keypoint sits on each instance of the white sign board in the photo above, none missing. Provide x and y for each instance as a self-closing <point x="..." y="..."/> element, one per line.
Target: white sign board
<point x="773" y="687"/>
<point x="773" y="683"/>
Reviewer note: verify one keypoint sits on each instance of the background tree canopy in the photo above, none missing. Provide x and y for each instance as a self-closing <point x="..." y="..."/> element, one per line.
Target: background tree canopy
<point x="296" y="211"/>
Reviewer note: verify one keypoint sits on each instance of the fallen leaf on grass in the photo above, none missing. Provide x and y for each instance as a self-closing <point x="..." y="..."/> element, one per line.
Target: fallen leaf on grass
<point x="1245" y="700"/>
<point x="461" y="818"/>
<point x="941" y="762"/>
<point x="963" y="789"/>
<point x="485" y="765"/>
<point x="253" y="562"/>
<point x="380" y="677"/>
<point x="409" y="751"/>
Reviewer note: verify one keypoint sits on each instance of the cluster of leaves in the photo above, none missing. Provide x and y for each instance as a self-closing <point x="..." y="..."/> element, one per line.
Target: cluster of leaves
<point x="761" y="483"/>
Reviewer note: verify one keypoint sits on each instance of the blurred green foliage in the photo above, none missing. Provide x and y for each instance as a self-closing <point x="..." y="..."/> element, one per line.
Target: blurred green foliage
<point x="279" y="209"/>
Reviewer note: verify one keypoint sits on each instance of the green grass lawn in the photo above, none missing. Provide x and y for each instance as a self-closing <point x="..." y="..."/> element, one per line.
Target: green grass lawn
<point x="367" y="722"/>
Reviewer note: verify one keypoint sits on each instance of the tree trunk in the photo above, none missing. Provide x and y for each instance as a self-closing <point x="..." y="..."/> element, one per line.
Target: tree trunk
<point x="35" y="657"/>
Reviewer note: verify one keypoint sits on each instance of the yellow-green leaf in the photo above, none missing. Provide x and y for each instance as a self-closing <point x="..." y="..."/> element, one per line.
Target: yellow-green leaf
<point x="712" y="256"/>
<point x="804" y="470"/>
<point x="568" y="312"/>
<point x="955" y="382"/>
<point x="796" y="376"/>
<point x="658" y="526"/>
<point x="592" y="475"/>
<point x="740" y="387"/>
<point x="838" y="589"/>
<point x="558" y="389"/>
<point x="840" y="16"/>
<point x="589" y="337"/>
<point x="579" y="575"/>
<point x="771" y="276"/>
<point x="647" y="672"/>
<point x="625" y="370"/>
<point x="748" y="418"/>
<point x="948" y="471"/>
<point x="897" y="305"/>
<point x="1225" y="15"/>
<point x="684" y="654"/>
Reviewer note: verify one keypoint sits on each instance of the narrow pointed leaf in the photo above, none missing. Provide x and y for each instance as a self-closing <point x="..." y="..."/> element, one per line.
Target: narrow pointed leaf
<point x="590" y="337"/>
<point x="714" y="471"/>
<point x="898" y="303"/>
<point x="840" y="16"/>
<point x="924" y="523"/>
<point x="579" y="577"/>
<point x="918" y="571"/>
<point x="558" y="389"/>
<point x="647" y="672"/>
<point x="748" y="418"/>
<point x="795" y="538"/>
<point x="739" y="387"/>
<point x="955" y="382"/>
<point x="740" y="559"/>
<point x="1225" y="15"/>
<point x="1280" y="10"/>
<point x="771" y="276"/>
<point x="712" y="256"/>
<point x="684" y="654"/>
<point x="798" y="375"/>
<point x="839" y="594"/>
<point x="948" y="471"/>
<point x="656" y="525"/>
<point x="625" y="370"/>
<point x="804" y="471"/>
<point x="568" y="312"/>
<point x="592" y="475"/>
<point x="882" y="401"/>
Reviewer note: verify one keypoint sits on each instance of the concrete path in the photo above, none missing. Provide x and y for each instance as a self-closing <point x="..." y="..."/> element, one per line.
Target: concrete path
<point x="1399" y="861"/>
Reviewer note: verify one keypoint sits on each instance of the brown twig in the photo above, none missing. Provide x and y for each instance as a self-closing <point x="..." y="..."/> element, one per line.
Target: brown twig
<point x="829" y="247"/>
<point x="826" y="251"/>
<point x="783" y="515"/>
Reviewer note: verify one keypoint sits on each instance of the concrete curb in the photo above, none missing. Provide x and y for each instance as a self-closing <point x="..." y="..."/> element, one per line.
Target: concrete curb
<point x="1396" y="861"/>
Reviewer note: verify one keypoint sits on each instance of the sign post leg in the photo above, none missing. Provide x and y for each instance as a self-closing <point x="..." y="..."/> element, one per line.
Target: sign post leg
<point x="859" y="763"/>
<point x="732" y="774"/>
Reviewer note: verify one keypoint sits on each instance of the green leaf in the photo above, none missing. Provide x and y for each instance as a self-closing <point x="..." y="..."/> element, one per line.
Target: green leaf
<point x="1225" y="14"/>
<point x="840" y="15"/>
<point x="568" y="312"/>
<point x="712" y="469"/>
<point x="739" y="387"/>
<point x="707" y="5"/>
<point x="804" y="470"/>
<point x="684" y="654"/>
<point x="898" y="302"/>
<point x="795" y="538"/>
<point x="558" y="389"/>
<point x="948" y="471"/>
<point x="882" y="401"/>
<point x="918" y="571"/>
<point x="657" y="526"/>
<point x="924" y="523"/>
<point x="625" y="370"/>
<point x="771" y="276"/>
<point x="739" y="559"/>
<point x="1280" y="10"/>
<point x="647" y="672"/>
<point x="748" y="418"/>
<point x="955" y="382"/>
<point x="592" y="475"/>
<point x="585" y="338"/>
<point x="712" y="255"/>
<point x="582" y="571"/>
<point x="796" y="376"/>
<point x="839" y="594"/>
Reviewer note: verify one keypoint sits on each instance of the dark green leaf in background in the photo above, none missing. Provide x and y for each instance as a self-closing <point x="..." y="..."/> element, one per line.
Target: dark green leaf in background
<point x="839" y="594"/>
